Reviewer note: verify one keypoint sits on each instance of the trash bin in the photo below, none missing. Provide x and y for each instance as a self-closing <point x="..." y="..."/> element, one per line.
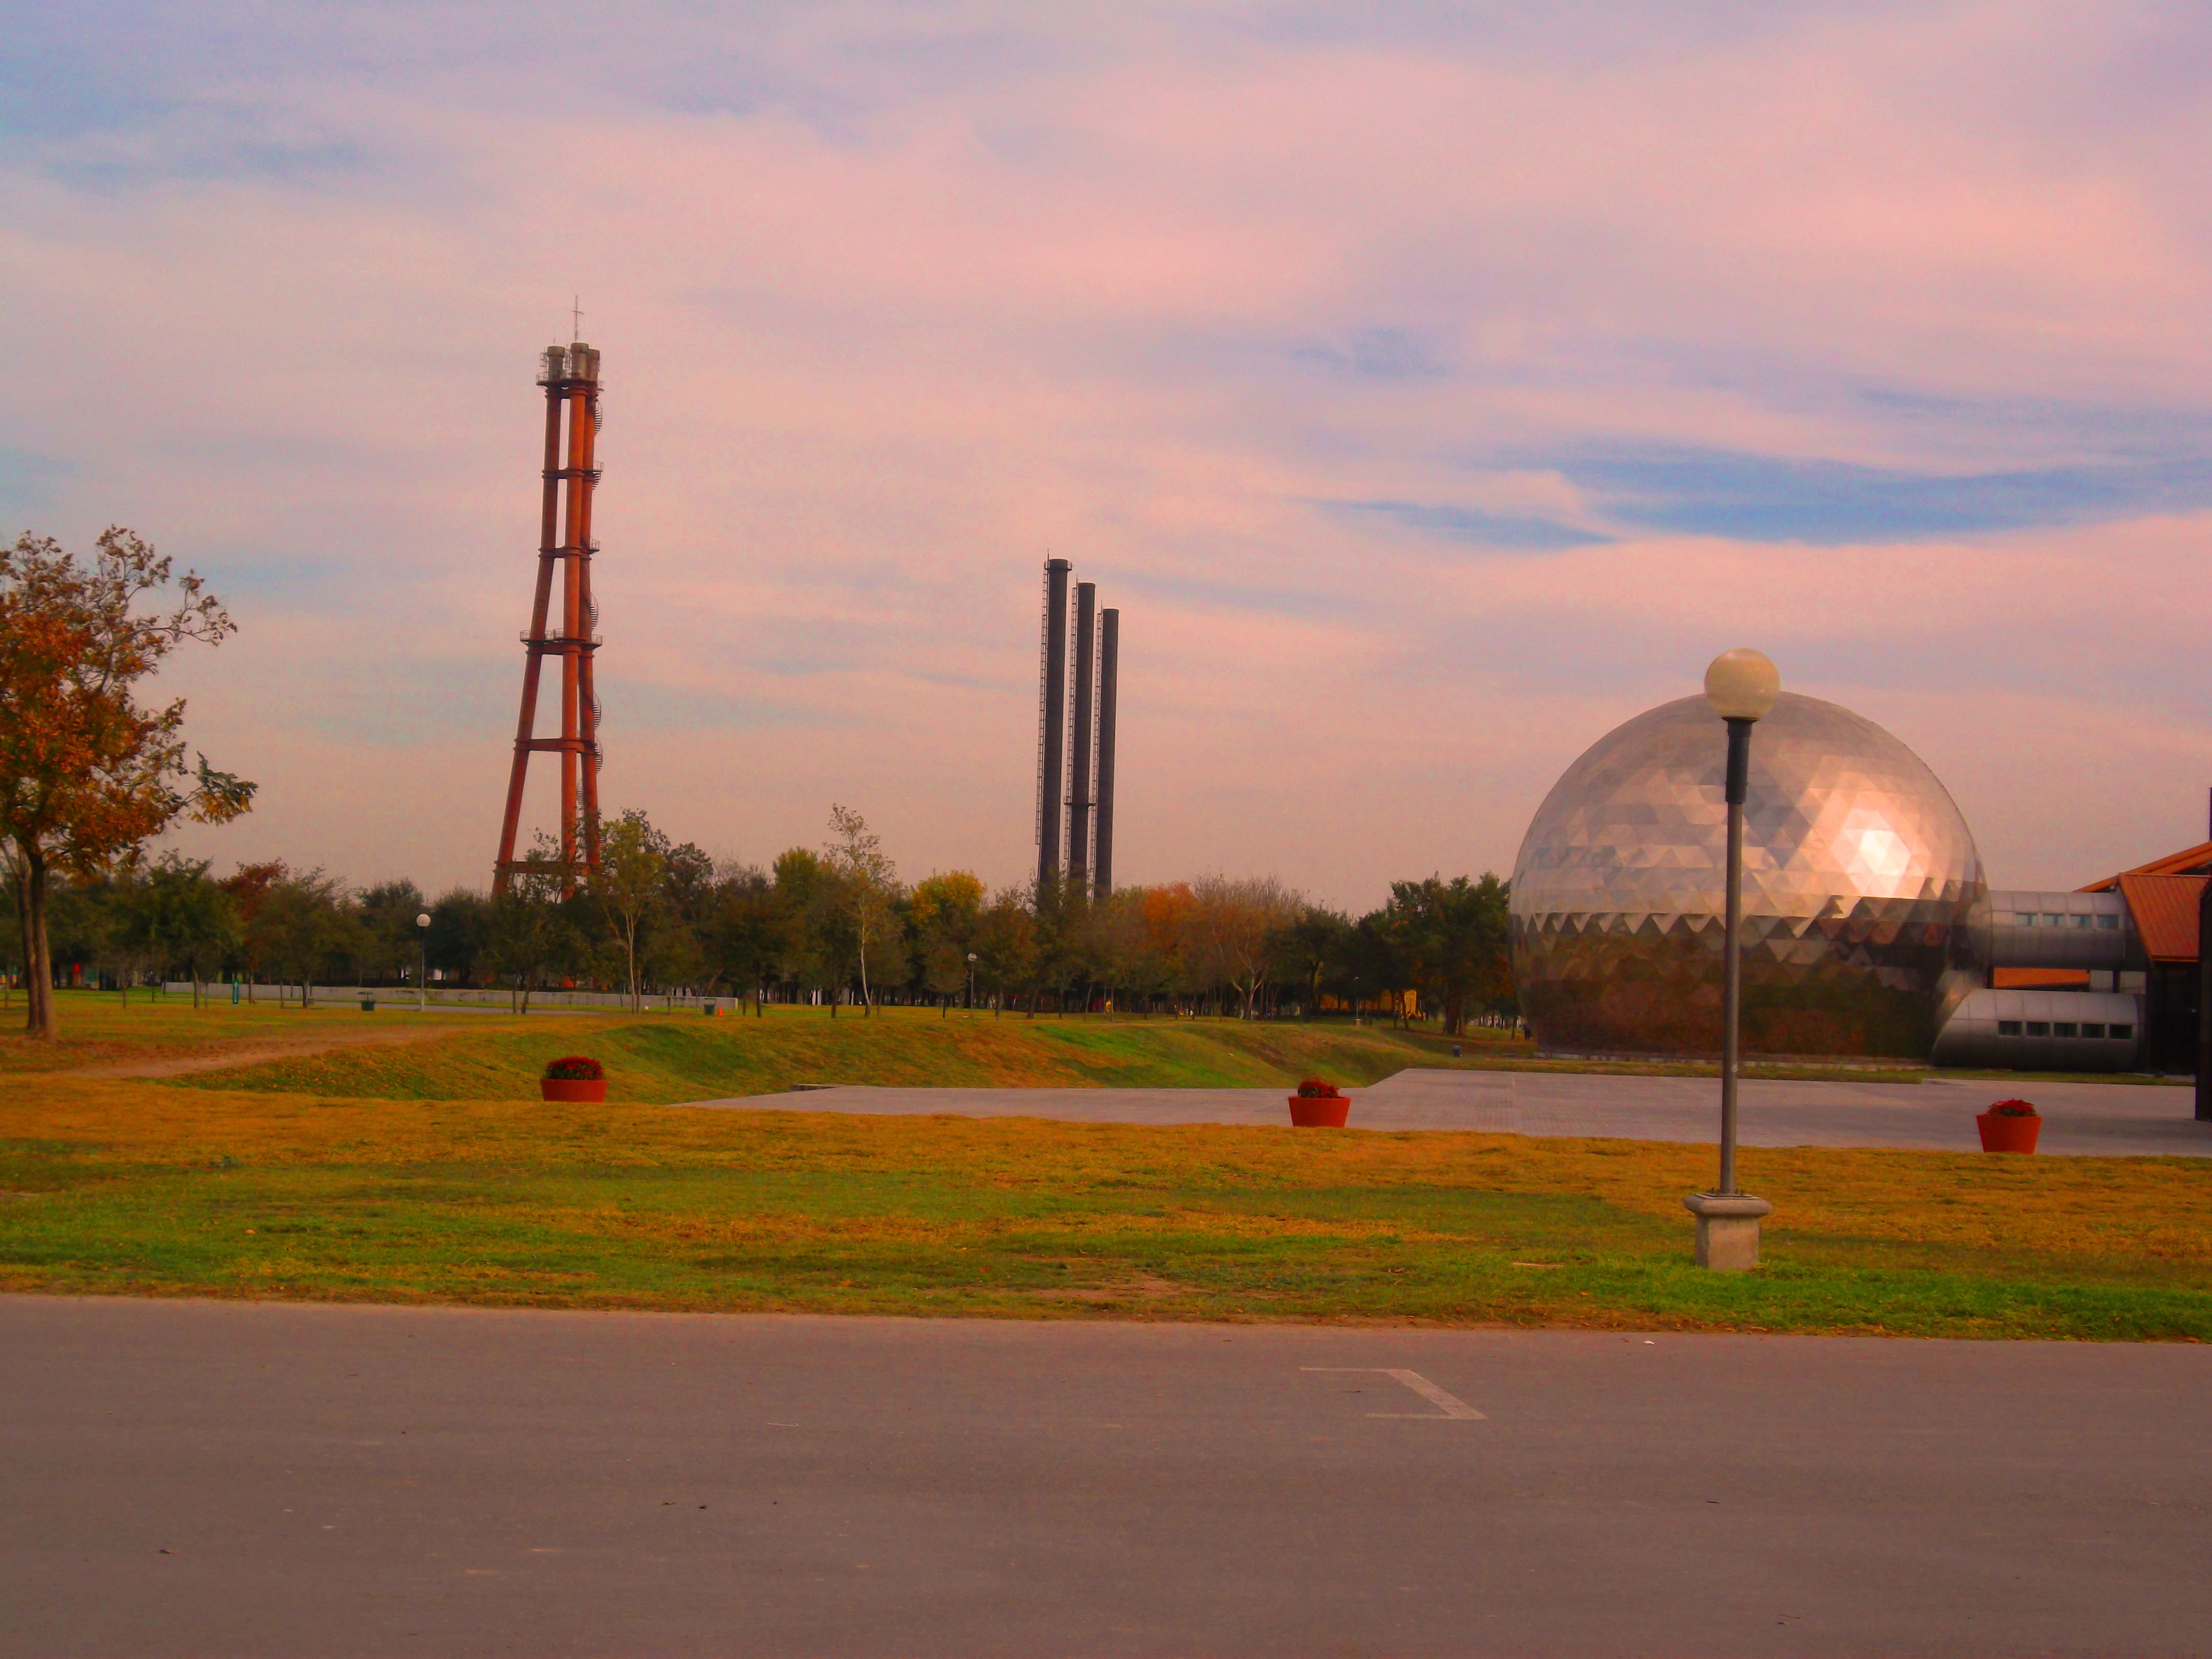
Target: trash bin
<point x="1455" y="1051"/>
<point x="369" y="1005"/>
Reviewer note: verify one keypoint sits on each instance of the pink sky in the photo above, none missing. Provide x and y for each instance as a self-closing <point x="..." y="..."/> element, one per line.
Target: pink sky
<point x="1431" y="396"/>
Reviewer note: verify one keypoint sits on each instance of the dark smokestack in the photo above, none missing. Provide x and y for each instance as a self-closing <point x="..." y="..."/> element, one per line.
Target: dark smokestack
<point x="1079" y="751"/>
<point x="1109" y="652"/>
<point x="1052" y="720"/>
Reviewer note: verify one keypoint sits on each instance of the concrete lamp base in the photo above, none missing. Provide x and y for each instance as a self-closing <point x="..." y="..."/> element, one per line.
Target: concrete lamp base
<point x="1728" y="1228"/>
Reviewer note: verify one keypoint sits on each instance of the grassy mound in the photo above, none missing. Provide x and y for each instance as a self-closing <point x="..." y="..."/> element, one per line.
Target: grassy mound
<point x="665" y="1059"/>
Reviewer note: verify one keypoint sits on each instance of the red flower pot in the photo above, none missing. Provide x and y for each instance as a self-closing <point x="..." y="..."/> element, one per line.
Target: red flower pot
<point x="2009" y="1134"/>
<point x="573" y="1088"/>
<point x="1318" y="1111"/>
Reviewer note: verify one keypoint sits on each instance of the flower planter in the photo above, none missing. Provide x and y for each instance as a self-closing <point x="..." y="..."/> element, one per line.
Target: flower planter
<point x="592" y="1089"/>
<point x="2009" y="1134"/>
<point x="1318" y="1111"/>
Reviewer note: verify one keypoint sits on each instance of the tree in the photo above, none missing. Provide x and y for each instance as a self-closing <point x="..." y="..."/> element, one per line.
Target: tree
<point x="1311" y="944"/>
<point x="750" y="936"/>
<point x="127" y="941"/>
<point x="532" y="930"/>
<point x="177" y="917"/>
<point x="1006" y="947"/>
<point x="1453" y="936"/>
<point x="1115" y="946"/>
<point x="676" y="954"/>
<point x="460" y="933"/>
<point x="388" y="929"/>
<point x="87" y="776"/>
<point x="821" y="943"/>
<point x="1235" y="923"/>
<point x="867" y="884"/>
<point x="248" y="887"/>
<point x="632" y="859"/>
<point x="943" y="912"/>
<point x="674" y="958"/>
<point x="302" y="924"/>
<point x="1167" y="912"/>
<point x="1368" y="964"/>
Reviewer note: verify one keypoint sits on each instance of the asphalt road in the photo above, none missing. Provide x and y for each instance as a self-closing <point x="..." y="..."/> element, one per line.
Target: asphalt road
<point x="2099" y="1119"/>
<point x="203" y="1478"/>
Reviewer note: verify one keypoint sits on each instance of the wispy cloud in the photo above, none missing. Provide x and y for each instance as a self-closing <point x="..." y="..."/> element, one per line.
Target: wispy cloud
<point x="1433" y="388"/>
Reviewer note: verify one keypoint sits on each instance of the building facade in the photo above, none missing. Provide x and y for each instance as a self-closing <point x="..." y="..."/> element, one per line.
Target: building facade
<point x="1868" y="927"/>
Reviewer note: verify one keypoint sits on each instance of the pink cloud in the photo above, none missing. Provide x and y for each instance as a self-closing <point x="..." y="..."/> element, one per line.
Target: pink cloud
<point x="862" y="376"/>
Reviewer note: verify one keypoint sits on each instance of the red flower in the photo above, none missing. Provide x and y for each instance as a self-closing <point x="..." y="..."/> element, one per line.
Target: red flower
<point x="1314" y="1089"/>
<point x="2013" y="1109"/>
<point x="576" y="1068"/>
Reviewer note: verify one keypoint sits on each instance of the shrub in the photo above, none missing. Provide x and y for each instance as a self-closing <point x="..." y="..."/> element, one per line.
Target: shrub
<point x="2012" y="1109"/>
<point x="1314" y="1089"/>
<point x="576" y="1068"/>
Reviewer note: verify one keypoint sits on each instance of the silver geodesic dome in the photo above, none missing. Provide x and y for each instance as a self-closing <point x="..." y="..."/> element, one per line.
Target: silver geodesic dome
<point x="1864" y="901"/>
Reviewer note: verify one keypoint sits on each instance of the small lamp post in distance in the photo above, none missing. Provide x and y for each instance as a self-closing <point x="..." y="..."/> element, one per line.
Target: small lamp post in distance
<point x="971" y="985"/>
<point x="422" y="961"/>
<point x="1742" y="686"/>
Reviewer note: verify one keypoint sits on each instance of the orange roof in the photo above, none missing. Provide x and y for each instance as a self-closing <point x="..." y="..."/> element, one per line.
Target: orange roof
<point x="2193" y="862"/>
<point x="2164" y="910"/>
<point x="2036" y="979"/>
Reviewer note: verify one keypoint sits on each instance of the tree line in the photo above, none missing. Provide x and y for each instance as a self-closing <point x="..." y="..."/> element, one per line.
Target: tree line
<point x="90" y="776"/>
<point x="832" y="924"/>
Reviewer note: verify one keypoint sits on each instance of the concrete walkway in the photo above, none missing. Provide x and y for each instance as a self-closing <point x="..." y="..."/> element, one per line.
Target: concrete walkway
<point x="246" y="1479"/>
<point x="2085" y="1119"/>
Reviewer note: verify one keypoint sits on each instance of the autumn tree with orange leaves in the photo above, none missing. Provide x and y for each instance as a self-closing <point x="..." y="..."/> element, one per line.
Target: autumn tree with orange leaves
<point x="87" y="777"/>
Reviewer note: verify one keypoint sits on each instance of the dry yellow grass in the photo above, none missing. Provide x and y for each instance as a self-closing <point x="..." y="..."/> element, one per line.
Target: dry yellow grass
<point x="2154" y="1207"/>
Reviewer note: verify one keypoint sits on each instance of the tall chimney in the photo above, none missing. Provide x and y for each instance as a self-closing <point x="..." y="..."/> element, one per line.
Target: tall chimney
<point x="1109" y="651"/>
<point x="1052" y="722"/>
<point x="1079" y="752"/>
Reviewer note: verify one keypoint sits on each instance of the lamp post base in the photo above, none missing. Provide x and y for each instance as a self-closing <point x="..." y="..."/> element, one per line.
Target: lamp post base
<point x="1728" y="1228"/>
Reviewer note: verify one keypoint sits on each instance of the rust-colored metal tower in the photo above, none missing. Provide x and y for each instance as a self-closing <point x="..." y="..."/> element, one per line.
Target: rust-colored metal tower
<point x="570" y="375"/>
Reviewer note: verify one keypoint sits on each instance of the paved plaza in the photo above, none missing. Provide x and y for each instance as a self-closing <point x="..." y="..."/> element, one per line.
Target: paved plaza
<point x="2081" y="1118"/>
<point x="248" y="1479"/>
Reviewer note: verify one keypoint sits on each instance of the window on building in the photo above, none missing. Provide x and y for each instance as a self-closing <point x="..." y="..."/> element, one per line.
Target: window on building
<point x="2051" y="920"/>
<point x="2066" y="1028"/>
<point x="2025" y="919"/>
<point x="2007" y="1028"/>
<point x="2091" y="1028"/>
<point x="2085" y="921"/>
<point x="2124" y="1033"/>
<point x="2039" y="1028"/>
<point x="2109" y="922"/>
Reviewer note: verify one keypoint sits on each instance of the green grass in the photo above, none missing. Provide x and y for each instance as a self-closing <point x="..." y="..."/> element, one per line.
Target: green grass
<point x="422" y="1170"/>
<point x="396" y="1052"/>
<point x="129" y="1187"/>
<point x="672" y="1058"/>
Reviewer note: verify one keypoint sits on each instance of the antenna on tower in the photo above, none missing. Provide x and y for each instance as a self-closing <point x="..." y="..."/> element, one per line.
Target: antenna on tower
<point x="576" y="319"/>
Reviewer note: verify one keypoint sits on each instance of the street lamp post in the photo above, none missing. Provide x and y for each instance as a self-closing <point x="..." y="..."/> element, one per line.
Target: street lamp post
<point x="1742" y="686"/>
<point x="422" y="961"/>
<point x="971" y="985"/>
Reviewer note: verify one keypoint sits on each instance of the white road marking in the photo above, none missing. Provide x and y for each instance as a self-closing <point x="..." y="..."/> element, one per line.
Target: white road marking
<point x="1453" y="1407"/>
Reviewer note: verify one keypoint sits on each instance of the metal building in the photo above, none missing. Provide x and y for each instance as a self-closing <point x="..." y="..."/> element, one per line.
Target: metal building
<point x="1863" y="887"/>
<point x="1868" y="928"/>
<point x="565" y="628"/>
<point x="2105" y="979"/>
